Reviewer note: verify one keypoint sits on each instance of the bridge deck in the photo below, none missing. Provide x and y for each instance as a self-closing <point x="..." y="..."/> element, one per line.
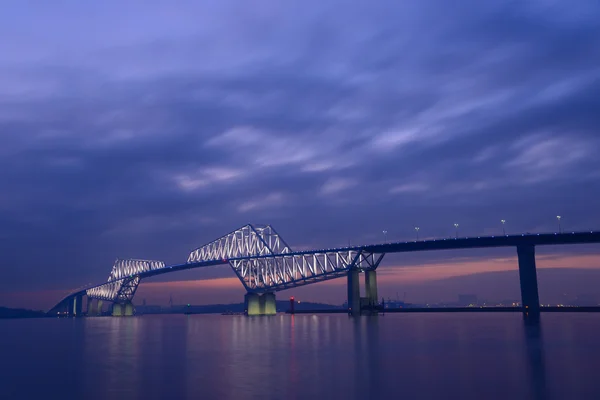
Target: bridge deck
<point x="540" y="239"/>
<point x="536" y="239"/>
<point x="422" y="245"/>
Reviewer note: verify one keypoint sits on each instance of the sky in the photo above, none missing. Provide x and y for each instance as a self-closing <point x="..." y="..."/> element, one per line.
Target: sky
<point x="146" y="129"/>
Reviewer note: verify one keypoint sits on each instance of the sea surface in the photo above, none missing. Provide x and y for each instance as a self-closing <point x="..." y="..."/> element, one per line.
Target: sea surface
<point x="399" y="356"/>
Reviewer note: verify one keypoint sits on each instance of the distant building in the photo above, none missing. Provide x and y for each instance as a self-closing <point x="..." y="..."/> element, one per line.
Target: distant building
<point x="389" y="303"/>
<point x="148" y="309"/>
<point x="465" y="300"/>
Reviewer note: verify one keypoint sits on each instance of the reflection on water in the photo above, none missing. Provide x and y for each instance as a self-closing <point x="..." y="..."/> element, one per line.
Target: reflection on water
<point x="413" y="356"/>
<point x="534" y="344"/>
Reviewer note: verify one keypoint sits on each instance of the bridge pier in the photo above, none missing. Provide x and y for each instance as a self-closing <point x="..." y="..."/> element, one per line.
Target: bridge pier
<point x="128" y="309"/>
<point x="99" y="307"/>
<point x="353" y="293"/>
<point x="71" y="307"/>
<point x="528" y="276"/>
<point x="76" y="306"/>
<point x="362" y="305"/>
<point x="260" y="304"/>
<point x="372" y="300"/>
<point x="122" y="310"/>
<point x="117" y="310"/>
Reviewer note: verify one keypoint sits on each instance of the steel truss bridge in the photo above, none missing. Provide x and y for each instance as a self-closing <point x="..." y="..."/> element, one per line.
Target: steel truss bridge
<point x="265" y="263"/>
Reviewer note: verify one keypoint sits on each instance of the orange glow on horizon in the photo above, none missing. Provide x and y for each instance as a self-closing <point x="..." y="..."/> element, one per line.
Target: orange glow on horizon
<point x="229" y="289"/>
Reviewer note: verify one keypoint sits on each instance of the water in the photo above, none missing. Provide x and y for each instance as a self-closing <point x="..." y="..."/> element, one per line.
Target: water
<point x="410" y="356"/>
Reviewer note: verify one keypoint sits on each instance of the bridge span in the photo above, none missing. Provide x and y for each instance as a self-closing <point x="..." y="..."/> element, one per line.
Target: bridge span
<point x="266" y="264"/>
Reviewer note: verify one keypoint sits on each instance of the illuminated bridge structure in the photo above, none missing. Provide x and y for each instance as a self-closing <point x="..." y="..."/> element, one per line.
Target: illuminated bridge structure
<point x="266" y="264"/>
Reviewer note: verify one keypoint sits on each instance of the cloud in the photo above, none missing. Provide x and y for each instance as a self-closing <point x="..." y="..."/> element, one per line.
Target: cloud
<point x="410" y="188"/>
<point x="336" y="185"/>
<point x="207" y="176"/>
<point x="264" y="149"/>
<point x="269" y="201"/>
<point x="143" y="138"/>
<point x="541" y="157"/>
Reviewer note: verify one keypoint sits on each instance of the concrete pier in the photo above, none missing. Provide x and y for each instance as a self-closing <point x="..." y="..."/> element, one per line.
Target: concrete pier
<point x="128" y="310"/>
<point x="76" y="306"/>
<point x="122" y="310"/>
<point x="371" y="287"/>
<point x="371" y="301"/>
<point x="528" y="277"/>
<point x="99" y="307"/>
<point x="353" y="293"/>
<point x="117" y="310"/>
<point x="260" y="304"/>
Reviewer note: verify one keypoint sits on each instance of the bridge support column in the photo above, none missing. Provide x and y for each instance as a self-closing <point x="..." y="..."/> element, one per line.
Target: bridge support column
<point x="353" y="293"/>
<point x="260" y="304"/>
<point x="117" y="310"/>
<point x="371" y="291"/>
<point x="528" y="276"/>
<point x="128" y="309"/>
<point x="71" y="307"/>
<point x="99" y="307"/>
<point x="122" y="310"/>
<point x="77" y="306"/>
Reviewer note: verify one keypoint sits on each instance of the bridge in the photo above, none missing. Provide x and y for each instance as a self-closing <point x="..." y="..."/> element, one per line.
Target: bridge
<point x="266" y="264"/>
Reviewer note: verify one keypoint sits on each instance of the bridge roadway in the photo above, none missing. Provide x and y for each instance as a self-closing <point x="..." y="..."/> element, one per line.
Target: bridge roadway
<point x="525" y="244"/>
<point x="530" y="239"/>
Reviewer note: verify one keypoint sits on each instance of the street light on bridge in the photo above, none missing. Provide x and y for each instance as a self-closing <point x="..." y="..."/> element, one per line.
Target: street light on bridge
<point x="417" y="230"/>
<point x="558" y="217"/>
<point x="385" y="236"/>
<point x="503" y="229"/>
<point x="456" y="228"/>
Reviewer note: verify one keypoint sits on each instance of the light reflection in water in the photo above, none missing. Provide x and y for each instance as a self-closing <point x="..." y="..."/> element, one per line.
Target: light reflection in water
<point x="297" y="357"/>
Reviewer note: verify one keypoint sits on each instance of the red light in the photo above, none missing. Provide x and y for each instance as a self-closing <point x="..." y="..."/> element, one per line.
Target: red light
<point x="292" y="298"/>
<point x="224" y="260"/>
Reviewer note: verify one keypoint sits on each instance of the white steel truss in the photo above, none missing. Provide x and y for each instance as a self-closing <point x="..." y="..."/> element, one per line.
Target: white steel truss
<point x="123" y="280"/>
<point x="248" y="241"/>
<point x="264" y="262"/>
<point x="279" y="272"/>
<point x="261" y="259"/>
